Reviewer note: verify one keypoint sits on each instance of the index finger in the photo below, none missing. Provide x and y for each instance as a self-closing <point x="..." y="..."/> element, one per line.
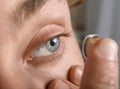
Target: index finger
<point x="101" y="68"/>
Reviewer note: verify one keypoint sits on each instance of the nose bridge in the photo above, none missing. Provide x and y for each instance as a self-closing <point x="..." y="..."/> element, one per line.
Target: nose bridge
<point x="12" y="73"/>
<point x="6" y="75"/>
<point x="9" y="69"/>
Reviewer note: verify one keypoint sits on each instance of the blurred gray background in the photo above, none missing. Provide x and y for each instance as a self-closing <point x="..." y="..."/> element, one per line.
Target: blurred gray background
<point x="97" y="16"/>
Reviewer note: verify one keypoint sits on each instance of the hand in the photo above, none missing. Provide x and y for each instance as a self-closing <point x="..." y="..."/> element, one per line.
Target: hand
<point x="100" y="71"/>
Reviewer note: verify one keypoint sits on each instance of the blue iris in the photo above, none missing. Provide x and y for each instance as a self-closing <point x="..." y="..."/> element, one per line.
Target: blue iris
<point x="53" y="44"/>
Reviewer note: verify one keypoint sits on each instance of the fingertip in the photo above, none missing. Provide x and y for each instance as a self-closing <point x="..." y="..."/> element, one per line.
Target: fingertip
<point x="101" y="68"/>
<point x="105" y="48"/>
<point x="58" y="84"/>
<point x="75" y="74"/>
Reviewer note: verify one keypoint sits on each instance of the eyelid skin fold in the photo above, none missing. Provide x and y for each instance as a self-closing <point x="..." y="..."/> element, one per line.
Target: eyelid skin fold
<point x="46" y="33"/>
<point x="38" y="61"/>
<point x="43" y="35"/>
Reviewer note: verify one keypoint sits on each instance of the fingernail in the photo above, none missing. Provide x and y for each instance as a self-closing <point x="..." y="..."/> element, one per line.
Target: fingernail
<point x="108" y="49"/>
<point x="61" y="85"/>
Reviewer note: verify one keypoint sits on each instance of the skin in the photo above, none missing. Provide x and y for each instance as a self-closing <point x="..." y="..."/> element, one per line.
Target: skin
<point x="16" y="72"/>
<point x="20" y="36"/>
<point x="100" y="72"/>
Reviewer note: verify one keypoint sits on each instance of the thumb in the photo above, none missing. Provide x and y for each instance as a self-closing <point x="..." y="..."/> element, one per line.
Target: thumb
<point x="101" y="68"/>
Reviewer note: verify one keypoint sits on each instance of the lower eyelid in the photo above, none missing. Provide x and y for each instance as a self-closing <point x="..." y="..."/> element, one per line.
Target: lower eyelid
<point x="46" y="59"/>
<point x="43" y="35"/>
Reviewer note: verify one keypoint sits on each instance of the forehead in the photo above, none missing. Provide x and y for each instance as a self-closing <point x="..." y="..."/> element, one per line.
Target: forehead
<point x="11" y="4"/>
<point x="6" y="6"/>
<point x="19" y="9"/>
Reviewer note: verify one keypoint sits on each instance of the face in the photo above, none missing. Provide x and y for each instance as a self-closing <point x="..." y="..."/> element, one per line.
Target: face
<point x="37" y="43"/>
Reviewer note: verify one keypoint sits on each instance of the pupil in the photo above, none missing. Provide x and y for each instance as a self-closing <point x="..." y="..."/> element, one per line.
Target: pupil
<point x="53" y="42"/>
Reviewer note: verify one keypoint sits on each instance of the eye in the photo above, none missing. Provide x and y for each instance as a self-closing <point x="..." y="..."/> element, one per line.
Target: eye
<point x="47" y="48"/>
<point x="53" y="44"/>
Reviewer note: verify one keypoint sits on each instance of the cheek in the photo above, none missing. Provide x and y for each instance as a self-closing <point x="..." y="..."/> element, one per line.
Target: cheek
<point x="73" y="53"/>
<point x="59" y="69"/>
<point x="72" y="56"/>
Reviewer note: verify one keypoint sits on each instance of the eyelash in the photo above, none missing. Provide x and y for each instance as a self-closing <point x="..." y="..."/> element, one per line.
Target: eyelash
<point x="46" y="59"/>
<point x="56" y="55"/>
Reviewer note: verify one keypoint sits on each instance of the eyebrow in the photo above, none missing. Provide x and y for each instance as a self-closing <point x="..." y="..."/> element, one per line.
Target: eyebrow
<point x="25" y="10"/>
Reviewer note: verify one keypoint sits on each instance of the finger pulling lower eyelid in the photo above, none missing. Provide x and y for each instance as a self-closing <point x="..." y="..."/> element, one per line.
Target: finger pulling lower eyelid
<point x="88" y="42"/>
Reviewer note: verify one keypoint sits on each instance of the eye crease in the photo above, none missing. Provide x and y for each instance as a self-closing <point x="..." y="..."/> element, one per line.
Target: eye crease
<point x="47" y="45"/>
<point x="47" y="48"/>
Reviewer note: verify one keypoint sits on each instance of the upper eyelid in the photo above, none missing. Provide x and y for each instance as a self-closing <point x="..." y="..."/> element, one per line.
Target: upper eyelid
<point x="37" y="53"/>
<point x="56" y="55"/>
<point x="40" y="38"/>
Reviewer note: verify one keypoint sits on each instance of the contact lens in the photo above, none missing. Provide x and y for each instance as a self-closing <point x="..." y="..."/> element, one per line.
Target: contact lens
<point x="88" y="42"/>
